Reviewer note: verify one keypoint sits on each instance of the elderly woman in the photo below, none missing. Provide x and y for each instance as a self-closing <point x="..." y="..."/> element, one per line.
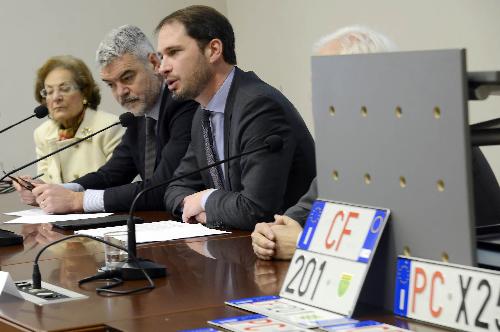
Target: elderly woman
<point x="65" y="85"/>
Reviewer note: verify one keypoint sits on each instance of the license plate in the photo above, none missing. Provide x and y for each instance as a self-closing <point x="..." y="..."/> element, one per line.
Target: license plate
<point x="329" y="283"/>
<point x="256" y="323"/>
<point x="286" y="310"/>
<point x="456" y="296"/>
<point x="364" y="326"/>
<point x="333" y="255"/>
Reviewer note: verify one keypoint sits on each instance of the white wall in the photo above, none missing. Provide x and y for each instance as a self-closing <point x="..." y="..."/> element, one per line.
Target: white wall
<point x="32" y="31"/>
<point x="275" y="37"/>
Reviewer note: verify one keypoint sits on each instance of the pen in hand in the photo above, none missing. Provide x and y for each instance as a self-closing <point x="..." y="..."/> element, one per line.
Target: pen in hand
<point x="26" y="185"/>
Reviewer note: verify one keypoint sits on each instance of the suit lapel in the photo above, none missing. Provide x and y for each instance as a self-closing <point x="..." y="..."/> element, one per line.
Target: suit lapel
<point x="87" y="126"/>
<point x="162" y="132"/>
<point x="228" y="114"/>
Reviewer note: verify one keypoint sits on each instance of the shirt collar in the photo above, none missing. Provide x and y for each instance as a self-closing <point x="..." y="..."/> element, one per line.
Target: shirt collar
<point x="218" y="101"/>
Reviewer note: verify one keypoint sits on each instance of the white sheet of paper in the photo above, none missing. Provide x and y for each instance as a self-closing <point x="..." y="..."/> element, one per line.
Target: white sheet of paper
<point x="7" y="285"/>
<point x="27" y="213"/>
<point x="158" y="231"/>
<point x="37" y="216"/>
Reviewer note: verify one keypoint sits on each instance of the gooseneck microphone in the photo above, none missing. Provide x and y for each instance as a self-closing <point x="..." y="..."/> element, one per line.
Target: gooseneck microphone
<point x="132" y="269"/>
<point x="125" y="120"/>
<point x="40" y="111"/>
<point x="37" y="277"/>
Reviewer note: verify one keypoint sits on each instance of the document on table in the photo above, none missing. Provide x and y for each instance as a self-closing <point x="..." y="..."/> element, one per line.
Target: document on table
<point x="37" y="216"/>
<point x="158" y="231"/>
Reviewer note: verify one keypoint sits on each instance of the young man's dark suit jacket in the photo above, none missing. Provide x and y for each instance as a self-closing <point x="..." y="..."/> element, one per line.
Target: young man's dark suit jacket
<point x="173" y="137"/>
<point x="259" y="185"/>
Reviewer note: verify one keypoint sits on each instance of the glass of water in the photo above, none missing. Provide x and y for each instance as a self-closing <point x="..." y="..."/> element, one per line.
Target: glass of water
<point x="115" y="257"/>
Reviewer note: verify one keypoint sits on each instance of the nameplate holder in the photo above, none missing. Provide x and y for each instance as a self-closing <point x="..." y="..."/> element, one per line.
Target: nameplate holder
<point x="450" y="295"/>
<point x="48" y="294"/>
<point x="7" y="285"/>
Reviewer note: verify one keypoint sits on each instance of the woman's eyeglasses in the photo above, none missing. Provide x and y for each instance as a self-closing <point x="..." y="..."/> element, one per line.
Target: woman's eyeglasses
<point x="63" y="89"/>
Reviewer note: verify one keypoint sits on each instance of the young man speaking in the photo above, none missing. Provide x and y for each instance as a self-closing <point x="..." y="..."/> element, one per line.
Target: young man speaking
<point x="238" y="112"/>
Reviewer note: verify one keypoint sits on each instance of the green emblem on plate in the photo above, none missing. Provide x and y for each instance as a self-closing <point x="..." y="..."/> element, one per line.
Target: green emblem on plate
<point x="345" y="281"/>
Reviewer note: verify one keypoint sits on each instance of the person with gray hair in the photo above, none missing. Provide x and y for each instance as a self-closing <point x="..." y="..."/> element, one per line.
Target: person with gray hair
<point x="355" y="39"/>
<point x="279" y="238"/>
<point x="151" y="147"/>
<point x="127" y="39"/>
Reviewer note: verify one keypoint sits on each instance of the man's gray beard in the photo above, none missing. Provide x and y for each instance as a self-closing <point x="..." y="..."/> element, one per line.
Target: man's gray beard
<point x="139" y="112"/>
<point x="149" y="103"/>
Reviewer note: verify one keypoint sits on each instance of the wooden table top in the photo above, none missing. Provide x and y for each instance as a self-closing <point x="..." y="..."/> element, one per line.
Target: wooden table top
<point x="202" y="273"/>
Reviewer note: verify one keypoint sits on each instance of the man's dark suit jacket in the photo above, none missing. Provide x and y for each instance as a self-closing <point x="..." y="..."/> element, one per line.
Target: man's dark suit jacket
<point x="258" y="185"/>
<point x="173" y="137"/>
<point x="486" y="194"/>
<point x="300" y="211"/>
<point x="486" y="190"/>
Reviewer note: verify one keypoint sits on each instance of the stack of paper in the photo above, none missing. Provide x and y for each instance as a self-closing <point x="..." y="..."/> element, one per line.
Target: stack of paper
<point x="37" y="216"/>
<point x="158" y="231"/>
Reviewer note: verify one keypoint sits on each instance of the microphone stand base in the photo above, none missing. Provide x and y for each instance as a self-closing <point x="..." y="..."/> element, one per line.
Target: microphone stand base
<point x="131" y="270"/>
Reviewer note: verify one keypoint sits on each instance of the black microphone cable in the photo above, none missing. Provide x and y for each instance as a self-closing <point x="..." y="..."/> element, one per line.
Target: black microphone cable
<point x="37" y="278"/>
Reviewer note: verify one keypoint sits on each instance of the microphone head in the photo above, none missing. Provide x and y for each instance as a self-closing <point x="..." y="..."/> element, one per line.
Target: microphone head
<point x="126" y="119"/>
<point x="274" y="143"/>
<point x="41" y="111"/>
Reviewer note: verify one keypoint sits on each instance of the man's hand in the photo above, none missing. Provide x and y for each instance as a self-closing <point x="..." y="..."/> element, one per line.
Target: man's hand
<point x="286" y="232"/>
<point x="201" y="218"/>
<point x="193" y="208"/>
<point x="53" y="198"/>
<point x="263" y="241"/>
<point x="26" y="196"/>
